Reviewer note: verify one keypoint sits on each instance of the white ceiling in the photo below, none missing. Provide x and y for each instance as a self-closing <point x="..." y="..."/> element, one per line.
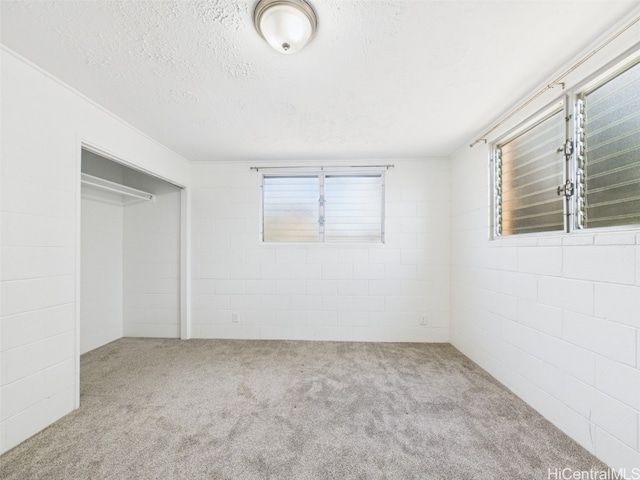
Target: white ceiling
<point x="381" y="79"/>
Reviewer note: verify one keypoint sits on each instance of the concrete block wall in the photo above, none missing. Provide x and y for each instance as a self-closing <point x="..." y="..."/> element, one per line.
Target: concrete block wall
<point x="37" y="356"/>
<point x="556" y="318"/>
<point x="368" y="292"/>
<point x="43" y="126"/>
<point x="101" y="273"/>
<point x="152" y="267"/>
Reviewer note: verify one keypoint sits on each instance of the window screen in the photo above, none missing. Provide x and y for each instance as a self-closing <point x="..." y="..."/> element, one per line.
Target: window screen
<point x="530" y="168"/>
<point x="611" y="146"/>
<point x="323" y="208"/>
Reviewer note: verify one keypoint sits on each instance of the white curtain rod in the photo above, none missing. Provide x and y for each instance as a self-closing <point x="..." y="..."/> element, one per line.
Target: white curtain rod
<point x="323" y="167"/>
<point x="554" y="83"/>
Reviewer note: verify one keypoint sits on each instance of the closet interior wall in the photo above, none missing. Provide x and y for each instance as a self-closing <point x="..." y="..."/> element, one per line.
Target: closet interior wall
<point x="130" y="257"/>
<point x="101" y="255"/>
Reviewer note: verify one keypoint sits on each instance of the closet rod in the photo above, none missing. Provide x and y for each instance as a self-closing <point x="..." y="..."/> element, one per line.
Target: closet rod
<point x="107" y="185"/>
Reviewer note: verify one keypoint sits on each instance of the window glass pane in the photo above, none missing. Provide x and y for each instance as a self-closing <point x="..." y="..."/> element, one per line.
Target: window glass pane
<point x="353" y="208"/>
<point x="612" y="152"/>
<point x="532" y="170"/>
<point x="291" y="209"/>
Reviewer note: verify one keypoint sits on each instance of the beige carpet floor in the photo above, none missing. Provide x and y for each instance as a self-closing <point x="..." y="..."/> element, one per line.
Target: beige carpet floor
<point x="227" y="409"/>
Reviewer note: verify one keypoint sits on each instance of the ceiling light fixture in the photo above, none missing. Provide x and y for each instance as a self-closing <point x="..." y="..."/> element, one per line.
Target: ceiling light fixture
<point x="286" y="25"/>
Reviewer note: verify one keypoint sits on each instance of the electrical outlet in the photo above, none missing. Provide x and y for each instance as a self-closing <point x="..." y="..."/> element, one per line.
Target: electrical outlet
<point x="423" y="320"/>
<point x="235" y="318"/>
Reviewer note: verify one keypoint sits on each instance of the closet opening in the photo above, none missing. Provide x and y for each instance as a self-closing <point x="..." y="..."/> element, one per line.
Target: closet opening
<point x="131" y="231"/>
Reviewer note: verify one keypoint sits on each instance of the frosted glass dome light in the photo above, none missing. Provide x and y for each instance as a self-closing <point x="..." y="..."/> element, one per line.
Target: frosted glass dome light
<point x="286" y="25"/>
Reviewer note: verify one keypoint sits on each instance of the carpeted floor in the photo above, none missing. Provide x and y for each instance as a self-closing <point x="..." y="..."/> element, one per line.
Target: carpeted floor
<point x="228" y="409"/>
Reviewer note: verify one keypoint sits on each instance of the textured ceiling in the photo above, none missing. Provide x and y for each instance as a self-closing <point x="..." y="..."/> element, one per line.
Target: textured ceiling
<point x="381" y="79"/>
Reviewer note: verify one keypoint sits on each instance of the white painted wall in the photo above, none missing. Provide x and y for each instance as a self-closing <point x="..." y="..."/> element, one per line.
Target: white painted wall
<point x="43" y="123"/>
<point x="101" y="256"/>
<point x="152" y="267"/>
<point x="553" y="317"/>
<point x="101" y="306"/>
<point x="372" y="292"/>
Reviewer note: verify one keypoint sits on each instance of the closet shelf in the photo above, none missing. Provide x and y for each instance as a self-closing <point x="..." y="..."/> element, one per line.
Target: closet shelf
<point x="108" y="186"/>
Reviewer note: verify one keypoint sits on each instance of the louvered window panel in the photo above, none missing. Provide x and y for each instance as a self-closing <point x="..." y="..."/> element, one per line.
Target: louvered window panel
<point x="291" y="209"/>
<point x="353" y="208"/>
<point x="323" y="208"/>
<point x="612" y="152"/>
<point x="531" y="171"/>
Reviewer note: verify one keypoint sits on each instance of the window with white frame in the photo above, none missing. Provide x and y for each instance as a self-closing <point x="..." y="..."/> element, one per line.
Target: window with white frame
<point x="608" y="153"/>
<point x="576" y="165"/>
<point x="323" y="207"/>
<point x="529" y="168"/>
